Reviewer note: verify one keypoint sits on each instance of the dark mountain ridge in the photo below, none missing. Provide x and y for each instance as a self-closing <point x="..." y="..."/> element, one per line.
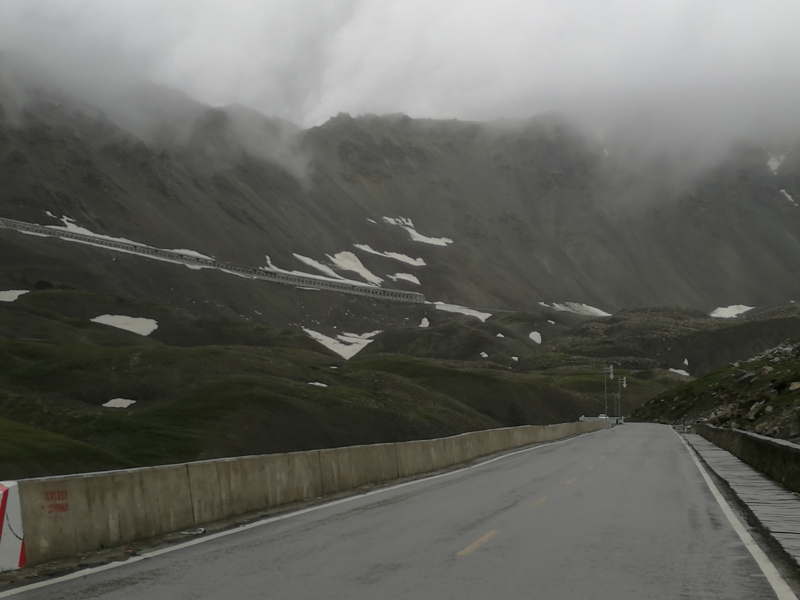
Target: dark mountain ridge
<point x="536" y="210"/>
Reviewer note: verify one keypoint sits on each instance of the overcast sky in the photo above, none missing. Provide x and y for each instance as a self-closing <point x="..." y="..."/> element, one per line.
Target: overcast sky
<point x="731" y="63"/>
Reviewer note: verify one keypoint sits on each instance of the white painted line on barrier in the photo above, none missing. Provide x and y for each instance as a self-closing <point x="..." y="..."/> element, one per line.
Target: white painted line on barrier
<point x="214" y="536"/>
<point x="778" y="583"/>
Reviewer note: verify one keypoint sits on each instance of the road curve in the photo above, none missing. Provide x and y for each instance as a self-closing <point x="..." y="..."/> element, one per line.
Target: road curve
<point x="618" y="514"/>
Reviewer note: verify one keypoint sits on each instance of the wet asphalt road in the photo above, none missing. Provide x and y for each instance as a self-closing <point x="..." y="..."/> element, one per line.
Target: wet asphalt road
<point x="619" y="514"/>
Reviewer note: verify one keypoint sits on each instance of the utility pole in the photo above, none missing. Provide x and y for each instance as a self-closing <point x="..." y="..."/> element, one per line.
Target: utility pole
<point x="622" y="382"/>
<point x="610" y="370"/>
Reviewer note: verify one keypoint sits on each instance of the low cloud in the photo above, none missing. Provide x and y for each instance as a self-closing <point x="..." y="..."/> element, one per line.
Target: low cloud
<point x="663" y="70"/>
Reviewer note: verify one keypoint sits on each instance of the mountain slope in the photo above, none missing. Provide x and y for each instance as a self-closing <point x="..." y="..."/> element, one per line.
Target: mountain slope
<point x="535" y="210"/>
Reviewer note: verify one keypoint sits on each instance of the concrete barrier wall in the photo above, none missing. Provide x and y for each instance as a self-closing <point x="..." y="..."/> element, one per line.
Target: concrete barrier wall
<point x="64" y="516"/>
<point x="354" y="466"/>
<point x="778" y="459"/>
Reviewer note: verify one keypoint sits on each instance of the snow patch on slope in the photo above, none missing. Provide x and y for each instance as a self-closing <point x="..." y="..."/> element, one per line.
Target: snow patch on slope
<point x="347" y="261"/>
<point x="775" y="161"/>
<point x="579" y="309"/>
<point x="69" y="225"/>
<point x="425" y="322"/>
<point x="337" y="278"/>
<point x="729" y="312"/>
<point x="405" y="277"/>
<point x="346" y="345"/>
<point x="119" y="403"/>
<point x="191" y="253"/>
<point x="455" y="308"/>
<point x="680" y="372"/>
<point x="408" y="225"/>
<point x="788" y="197"/>
<point x="317" y="265"/>
<point x="11" y="295"/>
<point x="536" y="336"/>
<point x="415" y="262"/>
<point x="133" y="324"/>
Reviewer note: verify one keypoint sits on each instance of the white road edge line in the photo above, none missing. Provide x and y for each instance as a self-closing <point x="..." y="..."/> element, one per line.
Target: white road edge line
<point x="778" y="583"/>
<point x="227" y="532"/>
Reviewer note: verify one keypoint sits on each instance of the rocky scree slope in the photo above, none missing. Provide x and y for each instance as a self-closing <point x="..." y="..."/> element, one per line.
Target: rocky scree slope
<point x="760" y="394"/>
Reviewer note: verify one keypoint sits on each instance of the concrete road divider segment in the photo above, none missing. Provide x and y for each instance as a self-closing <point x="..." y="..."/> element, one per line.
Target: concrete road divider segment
<point x="64" y="516"/>
<point x="354" y="466"/>
<point x="67" y="515"/>
<point x="235" y="486"/>
<point x="421" y="456"/>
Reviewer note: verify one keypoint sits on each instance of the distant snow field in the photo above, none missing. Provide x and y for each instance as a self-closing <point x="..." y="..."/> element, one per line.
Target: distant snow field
<point x="484" y="355"/>
<point x="729" y="312"/>
<point x="535" y="336"/>
<point x="515" y="358"/>
<point x="11" y="295"/>
<point x="579" y="309"/>
<point x="318" y="383"/>
<point x="551" y="322"/>
<point x="119" y="403"/>
<point x="346" y="345"/>
<point x="500" y="335"/>
<point x="133" y="324"/>
<point x="685" y="362"/>
<point x="425" y="322"/>
<point x="408" y="225"/>
<point x="455" y="308"/>
<point x="415" y="262"/>
<point x="680" y="372"/>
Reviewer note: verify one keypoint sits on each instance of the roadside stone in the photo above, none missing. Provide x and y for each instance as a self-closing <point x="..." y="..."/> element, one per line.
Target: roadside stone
<point x="794" y="386"/>
<point x="754" y="411"/>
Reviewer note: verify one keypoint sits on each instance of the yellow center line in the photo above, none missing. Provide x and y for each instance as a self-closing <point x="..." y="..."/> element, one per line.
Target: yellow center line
<point x="539" y="502"/>
<point x="570" y="481"/>
<point x="590" y="467"/>
<point x="477" y="543"/>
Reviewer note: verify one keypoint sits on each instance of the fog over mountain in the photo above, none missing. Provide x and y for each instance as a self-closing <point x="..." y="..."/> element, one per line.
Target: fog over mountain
<point x="620" y="155"/>
<point x="683" y="72"/>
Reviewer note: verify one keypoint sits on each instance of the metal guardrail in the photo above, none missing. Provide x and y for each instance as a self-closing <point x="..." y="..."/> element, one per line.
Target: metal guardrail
<point x="259" y="273"/>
